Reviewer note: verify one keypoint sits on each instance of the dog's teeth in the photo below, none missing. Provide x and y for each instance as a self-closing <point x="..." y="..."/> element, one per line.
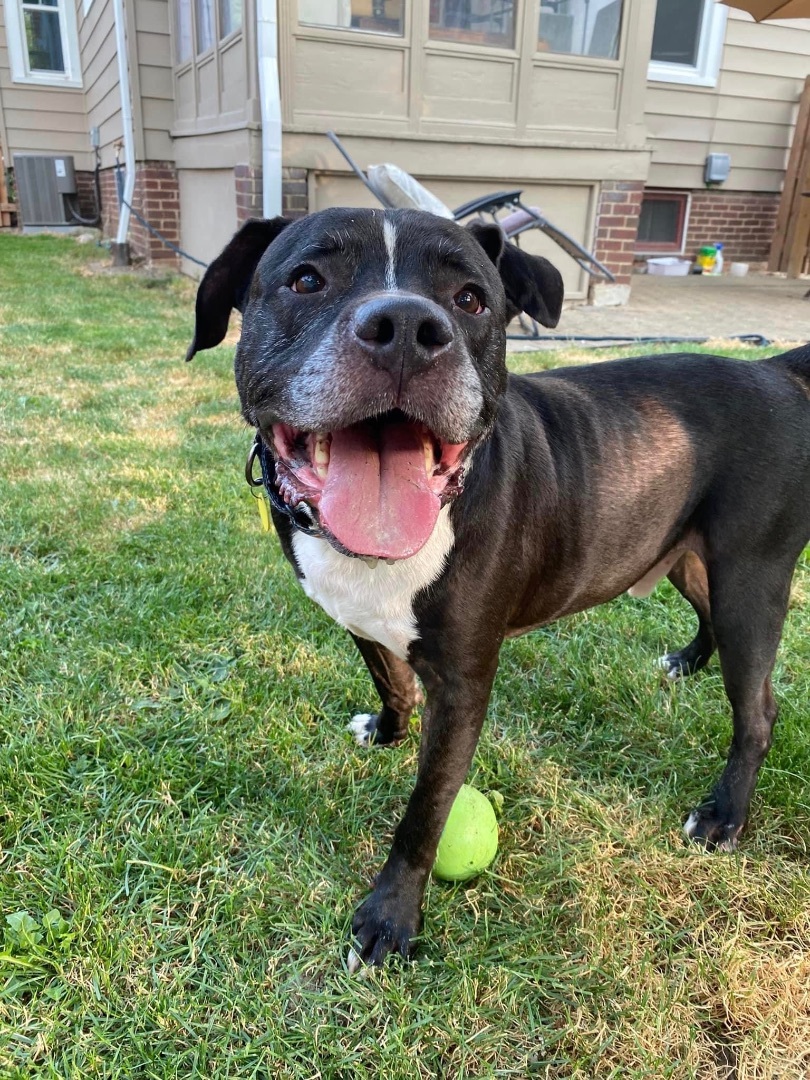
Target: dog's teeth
<point x="430" y="461"/>
<point x="321" y="456"/>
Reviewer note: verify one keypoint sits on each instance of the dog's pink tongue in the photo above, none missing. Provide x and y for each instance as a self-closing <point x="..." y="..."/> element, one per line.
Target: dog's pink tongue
<point x="377" y="500"/>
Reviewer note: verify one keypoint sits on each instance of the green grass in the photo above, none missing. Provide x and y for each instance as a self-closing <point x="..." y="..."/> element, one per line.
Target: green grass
<point x="186" y="826"/>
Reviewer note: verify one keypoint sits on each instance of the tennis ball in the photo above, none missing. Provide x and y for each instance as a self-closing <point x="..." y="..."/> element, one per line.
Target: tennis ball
<point x="470" y="838"/>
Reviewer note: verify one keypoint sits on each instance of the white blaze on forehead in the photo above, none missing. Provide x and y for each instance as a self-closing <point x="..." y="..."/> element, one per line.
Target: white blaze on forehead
<point x="390" y="238"/>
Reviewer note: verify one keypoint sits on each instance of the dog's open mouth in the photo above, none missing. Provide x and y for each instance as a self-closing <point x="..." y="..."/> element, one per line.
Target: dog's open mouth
<point x="377" y="486"/>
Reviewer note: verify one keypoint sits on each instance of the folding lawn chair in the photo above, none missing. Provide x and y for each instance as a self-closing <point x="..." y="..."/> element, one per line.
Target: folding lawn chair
<point x="395" y="188"/>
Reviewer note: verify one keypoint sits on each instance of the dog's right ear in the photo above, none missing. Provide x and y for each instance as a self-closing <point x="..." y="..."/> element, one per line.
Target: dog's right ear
<point x="226" y="282"/>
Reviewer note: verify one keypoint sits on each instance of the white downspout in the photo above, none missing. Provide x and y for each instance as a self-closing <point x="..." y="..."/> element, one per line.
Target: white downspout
<point x="126" y="123"/>
<point x="270" y="99"/>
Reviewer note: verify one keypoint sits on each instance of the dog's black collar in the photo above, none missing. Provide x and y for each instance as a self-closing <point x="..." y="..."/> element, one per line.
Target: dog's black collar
<point x="299" y="517"/>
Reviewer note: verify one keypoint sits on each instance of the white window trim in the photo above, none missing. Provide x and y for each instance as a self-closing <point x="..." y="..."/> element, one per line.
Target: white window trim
<point x="18" y="50"/>
<point x="710" y="52"/>
<point x="86" y="5"/>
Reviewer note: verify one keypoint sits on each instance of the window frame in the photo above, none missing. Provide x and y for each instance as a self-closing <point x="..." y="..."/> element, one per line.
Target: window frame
<point x="19" y="61"/>
<point x="710" y="52"/>
<point x="676" y="247"/>
<point x="218" y="45"/>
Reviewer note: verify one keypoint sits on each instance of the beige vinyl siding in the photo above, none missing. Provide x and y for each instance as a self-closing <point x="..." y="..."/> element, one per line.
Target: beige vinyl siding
<point x="100" y="70"/>
<point x="40" y="119"/>
<point x="153" y="44"/>
<point x="748" y="115"/>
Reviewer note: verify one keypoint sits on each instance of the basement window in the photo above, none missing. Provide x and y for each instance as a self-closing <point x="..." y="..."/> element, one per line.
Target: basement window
<point x="662" y="222"/>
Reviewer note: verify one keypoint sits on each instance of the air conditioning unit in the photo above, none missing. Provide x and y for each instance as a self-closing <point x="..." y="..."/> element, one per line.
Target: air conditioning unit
<point x="43" y="183"/>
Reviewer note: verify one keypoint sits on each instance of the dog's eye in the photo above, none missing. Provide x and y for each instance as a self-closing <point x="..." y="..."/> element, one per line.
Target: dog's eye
<point x="308" y="281"/>
<point x="468" y="300"/>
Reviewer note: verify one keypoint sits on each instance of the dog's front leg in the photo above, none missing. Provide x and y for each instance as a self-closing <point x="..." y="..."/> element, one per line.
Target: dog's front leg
<point x="391" y="917"/>
<point x="396" y="684"/>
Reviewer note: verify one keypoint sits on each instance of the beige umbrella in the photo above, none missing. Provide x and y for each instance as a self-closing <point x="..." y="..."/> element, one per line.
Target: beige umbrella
<point x="773" y="9"/>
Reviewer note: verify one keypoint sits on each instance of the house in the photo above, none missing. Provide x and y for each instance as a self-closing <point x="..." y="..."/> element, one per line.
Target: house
<point x="603" y="111"/>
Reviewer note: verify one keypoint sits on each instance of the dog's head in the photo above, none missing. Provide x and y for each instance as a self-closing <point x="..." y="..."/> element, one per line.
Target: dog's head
<point x="372" y="358"/>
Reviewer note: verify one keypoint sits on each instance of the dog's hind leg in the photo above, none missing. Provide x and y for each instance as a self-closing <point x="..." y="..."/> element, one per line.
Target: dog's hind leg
<point x="688" y="575"/>
<point x="399" y="693"/>
<point x="749" y="603"/>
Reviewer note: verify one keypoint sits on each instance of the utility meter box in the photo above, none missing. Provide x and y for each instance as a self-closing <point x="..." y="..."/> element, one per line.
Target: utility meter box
<point x="718" y="166"/>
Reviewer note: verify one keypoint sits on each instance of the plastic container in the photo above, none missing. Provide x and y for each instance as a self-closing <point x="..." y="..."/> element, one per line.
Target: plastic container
<point x="738" y="269"/>
<point x="718" y="260"/>
<point x="706" y="257"/>
<point x="667" y="266"/>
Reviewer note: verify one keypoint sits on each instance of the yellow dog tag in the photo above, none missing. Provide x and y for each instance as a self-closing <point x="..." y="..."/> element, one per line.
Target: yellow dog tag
<point x="264" y="511"/>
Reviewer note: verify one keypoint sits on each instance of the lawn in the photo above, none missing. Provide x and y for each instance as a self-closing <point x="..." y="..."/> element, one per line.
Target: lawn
<point x="186" y="825"/>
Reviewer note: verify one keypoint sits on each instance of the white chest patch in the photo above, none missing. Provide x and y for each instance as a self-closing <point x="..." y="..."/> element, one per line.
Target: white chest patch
<point x="373" y="602"/>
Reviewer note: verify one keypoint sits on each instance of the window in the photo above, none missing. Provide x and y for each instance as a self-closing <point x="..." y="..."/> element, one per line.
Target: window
<point x="184" y="32"/>
<point x="230" y="16"/>
<point x="580" y="27"/>
<point x="194" y="22"/>
<point x="375" y="16"/>
<point x="474" y="22"/>
<point x="662" y="223"/>
<point x="204" y="10"/>
<point x="688" y="41"/>
<point x="42" y="42"/>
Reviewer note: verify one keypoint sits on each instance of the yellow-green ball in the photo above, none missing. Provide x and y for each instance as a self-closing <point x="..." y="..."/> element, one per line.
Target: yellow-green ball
<point x="470" y="838"/>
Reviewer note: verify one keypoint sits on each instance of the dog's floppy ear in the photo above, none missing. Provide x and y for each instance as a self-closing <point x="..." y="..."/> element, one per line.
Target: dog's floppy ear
<point x="226" y="282"/>
<point x="531" y="283"/>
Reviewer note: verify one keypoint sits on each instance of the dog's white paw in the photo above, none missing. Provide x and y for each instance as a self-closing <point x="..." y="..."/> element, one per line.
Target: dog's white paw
<point x="728" y="844"/>
<point x="691" y="822"/>
<point x="362" y="726"/>
<point x="670" y="666"/>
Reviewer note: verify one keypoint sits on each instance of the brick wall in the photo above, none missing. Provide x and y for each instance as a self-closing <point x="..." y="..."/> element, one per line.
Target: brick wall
<point x="743" y="222"/>
<point x="617" y="225"/>
<point x="294" y="193"/>
<point x="157" y="199"/>
<point x="109" y="203"/>
<point x="85" y="201"/>
<point x="248" y="193"/>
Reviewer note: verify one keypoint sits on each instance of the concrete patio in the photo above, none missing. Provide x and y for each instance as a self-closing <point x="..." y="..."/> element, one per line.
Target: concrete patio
<point x="697" y="306"/>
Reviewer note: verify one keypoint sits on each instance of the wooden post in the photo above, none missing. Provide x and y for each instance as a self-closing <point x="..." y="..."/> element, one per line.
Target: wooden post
<point x="8" y="210"/>
<point x="797" y="181"/>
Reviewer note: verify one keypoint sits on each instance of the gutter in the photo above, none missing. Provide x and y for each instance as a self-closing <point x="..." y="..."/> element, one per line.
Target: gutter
<point x="121" y="256"/>
<point x="270" y="102"/>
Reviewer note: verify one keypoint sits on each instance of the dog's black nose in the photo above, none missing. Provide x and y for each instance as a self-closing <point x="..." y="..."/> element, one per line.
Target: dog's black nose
<point x="403" y="335"/>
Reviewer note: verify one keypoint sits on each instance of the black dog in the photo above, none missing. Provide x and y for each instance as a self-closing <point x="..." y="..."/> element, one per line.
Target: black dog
<point x="434" y="505"/>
